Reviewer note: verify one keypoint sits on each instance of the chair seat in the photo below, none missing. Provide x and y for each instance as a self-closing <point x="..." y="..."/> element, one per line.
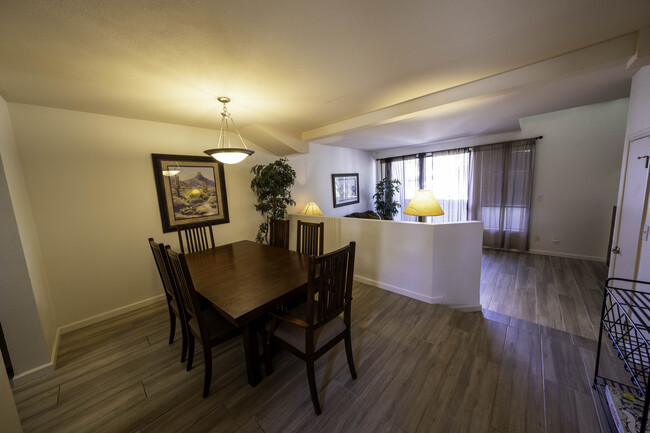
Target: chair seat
<point x="218" y="327"/>
<point x="296" y="336"/>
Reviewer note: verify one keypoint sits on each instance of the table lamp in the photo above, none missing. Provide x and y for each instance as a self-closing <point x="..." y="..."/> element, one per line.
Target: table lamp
<point x="423" y="204"/>
<point x="311" y="209"/>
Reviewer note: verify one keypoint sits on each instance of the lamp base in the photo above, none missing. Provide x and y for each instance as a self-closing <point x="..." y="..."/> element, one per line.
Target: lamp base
<point x="421" y="219"/>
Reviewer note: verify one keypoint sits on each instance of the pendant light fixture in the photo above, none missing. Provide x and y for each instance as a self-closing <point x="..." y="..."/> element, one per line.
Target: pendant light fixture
<point x="226" y="153"/>
<point x="172" y="171"/>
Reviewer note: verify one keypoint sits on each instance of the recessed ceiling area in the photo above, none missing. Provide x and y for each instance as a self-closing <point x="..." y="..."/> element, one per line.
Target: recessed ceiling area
<point x="364" y="74"/>
<point x="495" y="107"/>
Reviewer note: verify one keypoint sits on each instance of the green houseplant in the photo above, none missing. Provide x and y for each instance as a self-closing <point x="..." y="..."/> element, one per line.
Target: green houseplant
<point x="386" y="203"/>
<point x="272" y="183"/>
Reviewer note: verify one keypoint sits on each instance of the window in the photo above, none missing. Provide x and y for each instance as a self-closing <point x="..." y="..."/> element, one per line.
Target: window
<point x="446" y="174"/>
<point x="490" y="183"/>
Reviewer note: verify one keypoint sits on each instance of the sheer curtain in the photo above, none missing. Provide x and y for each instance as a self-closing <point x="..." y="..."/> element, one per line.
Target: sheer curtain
<point x="445" y="173"/>
<point x="406" y="170"/>
<point x="500" y="192"/>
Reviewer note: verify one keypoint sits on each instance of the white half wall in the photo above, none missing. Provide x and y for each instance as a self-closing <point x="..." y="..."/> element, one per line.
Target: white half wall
<point x="90" y="181"/>
<point x="577" y="169"/>
<point x="314" y="178"/>
<point x="434" y="263"/>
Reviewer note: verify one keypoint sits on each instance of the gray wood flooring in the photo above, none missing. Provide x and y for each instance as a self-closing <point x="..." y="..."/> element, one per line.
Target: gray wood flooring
<point x="557" y="292"/>
<point x="421" y="368"/>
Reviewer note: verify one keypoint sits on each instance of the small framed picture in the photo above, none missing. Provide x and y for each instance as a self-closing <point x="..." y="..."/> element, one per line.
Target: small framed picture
<point x="191" y="189"/>
<point x="345" y="189"/>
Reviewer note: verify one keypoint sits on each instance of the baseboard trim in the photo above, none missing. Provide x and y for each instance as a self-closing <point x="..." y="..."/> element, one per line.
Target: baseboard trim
<point x="32" y="374"/>
<point x="400" y="290"/>
<point x="570" y="256"/>
<point x="55" y="347"/>
<point x="108" y="314"/>
<point x="467" y="308"/>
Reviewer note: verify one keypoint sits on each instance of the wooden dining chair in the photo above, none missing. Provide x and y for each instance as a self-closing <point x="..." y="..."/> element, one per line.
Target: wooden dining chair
<point x="279" y="233"/>
<point x="205" y="324"/>
<point x="311" y="329"/>
<point x="310" y="238"/>
<point x="196" y="237"/>
<point x="171" y="294"/>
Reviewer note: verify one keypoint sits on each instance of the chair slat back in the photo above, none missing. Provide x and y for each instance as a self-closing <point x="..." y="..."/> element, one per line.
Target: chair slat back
<point x="162" y="263"/>
<point x="190" y="300"/>
<point x="330" y="278"/>
<point x="310" y="238"/>
<point x="196" y="237"/>
<point x="279" y="233"/>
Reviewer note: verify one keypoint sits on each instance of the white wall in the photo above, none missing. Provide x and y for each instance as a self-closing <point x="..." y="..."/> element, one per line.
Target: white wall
<point x="18" y="312"/>
<point x="91" y="185"/>
<point x="637" y="121"/>
<point x="9" y="419"/>
<point x="577" y="169"/>
<point x="26" y="311"/>
<point x="314" y="178"/>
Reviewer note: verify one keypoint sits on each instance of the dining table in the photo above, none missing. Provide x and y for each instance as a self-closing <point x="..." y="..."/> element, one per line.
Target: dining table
<point x="244" y="281"/>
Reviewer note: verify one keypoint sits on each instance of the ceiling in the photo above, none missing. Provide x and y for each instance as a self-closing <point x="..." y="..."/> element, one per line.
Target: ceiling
<point x="367" y="74"/>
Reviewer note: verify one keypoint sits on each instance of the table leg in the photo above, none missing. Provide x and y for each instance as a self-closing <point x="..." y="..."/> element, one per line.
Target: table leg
<point x="252" y="354"/>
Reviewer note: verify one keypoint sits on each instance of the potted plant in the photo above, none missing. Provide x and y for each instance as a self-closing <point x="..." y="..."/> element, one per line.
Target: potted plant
<point x="272" y="183"/>
<point x="386" y="203"/>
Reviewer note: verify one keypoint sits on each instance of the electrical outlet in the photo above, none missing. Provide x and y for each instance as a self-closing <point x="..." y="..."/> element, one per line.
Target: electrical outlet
<point x="536" y="238"/>
<point x="540" y="197"/>
<point x="556" y="240"/>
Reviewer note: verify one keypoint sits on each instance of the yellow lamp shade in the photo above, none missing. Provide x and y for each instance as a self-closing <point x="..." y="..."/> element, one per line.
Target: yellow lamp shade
<point x="311" y="209"/>
<point x="423" y="204"/>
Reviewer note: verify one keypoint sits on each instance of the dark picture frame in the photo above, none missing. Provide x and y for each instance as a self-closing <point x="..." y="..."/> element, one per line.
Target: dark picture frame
<point x="345" y="189"/>
<point x="197" y="194"/>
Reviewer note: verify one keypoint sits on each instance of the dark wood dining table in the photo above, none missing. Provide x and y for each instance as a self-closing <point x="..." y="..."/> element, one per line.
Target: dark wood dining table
<point x="244" y="281"/>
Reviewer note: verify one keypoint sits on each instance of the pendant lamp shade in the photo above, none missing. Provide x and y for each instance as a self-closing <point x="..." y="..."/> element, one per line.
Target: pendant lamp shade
<point x="171" y="171"/>
<point x="229" y="155"/>
<point x="225" y="152"/>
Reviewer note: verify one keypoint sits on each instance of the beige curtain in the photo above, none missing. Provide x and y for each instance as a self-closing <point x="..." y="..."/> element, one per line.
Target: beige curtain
<point x="446" y="174"/>
<point x="501" y="184"/>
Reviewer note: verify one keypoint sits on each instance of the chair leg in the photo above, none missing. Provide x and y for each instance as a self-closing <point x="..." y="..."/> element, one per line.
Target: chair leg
<point x="268" y="356"/>
<point x="268" y="347"/>
<point x="348" y="352"/>
<point x="190" y="351"/>
<point x="311" y="377"/>
<point x="172" y="325"/>
<point x="184" y="345"/>
<point x="207" y="356"/>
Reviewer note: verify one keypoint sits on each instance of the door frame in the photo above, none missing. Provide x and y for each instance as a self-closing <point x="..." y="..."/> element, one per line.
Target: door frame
<point x="639" y="135"/>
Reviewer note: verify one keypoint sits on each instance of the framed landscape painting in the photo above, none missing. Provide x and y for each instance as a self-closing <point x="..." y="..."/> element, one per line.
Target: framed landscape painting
<point x="345" y="189"/>
<point x="193" y="191"/>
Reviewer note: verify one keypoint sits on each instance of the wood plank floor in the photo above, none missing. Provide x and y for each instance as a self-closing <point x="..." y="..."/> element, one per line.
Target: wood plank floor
<point x="421" y="368"/>
<point x="556" y="292"/>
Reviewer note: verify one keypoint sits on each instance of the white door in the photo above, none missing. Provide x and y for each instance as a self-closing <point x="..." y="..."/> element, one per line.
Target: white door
<point x="633" y="205"/>
<point x="643" y="266"/>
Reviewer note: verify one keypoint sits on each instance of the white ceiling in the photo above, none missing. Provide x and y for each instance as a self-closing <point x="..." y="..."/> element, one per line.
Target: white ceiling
<point x="360" y="73"/>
